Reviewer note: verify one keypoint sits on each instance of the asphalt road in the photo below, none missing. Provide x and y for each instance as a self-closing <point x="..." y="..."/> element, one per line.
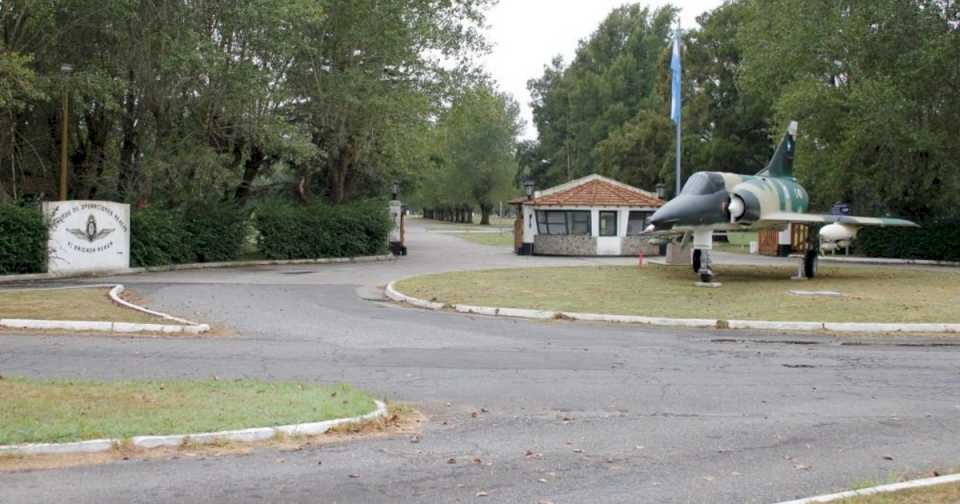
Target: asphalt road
<point x="619" y="413"/>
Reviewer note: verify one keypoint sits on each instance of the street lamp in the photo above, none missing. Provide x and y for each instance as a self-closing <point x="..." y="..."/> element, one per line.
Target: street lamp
<point x="529" y="186"/>
<point x="396" y="189"/>
<point x="661" y="190"/>
<point x="66" y="69"/>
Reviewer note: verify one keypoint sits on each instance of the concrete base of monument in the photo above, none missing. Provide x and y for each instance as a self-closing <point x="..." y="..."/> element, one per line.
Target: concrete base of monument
<point x="708" y="285"/>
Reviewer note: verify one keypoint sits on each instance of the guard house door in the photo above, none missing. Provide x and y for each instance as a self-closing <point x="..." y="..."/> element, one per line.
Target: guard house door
<point x="608" y="233"/>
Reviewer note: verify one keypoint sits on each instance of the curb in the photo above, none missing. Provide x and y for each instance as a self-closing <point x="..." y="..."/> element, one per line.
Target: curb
<point x="770" y="325"/>
<point x="193" y="266"/>
<point x="896" y="487"/>
<point x="148" y="442"/>
<point x="183" y="325"/>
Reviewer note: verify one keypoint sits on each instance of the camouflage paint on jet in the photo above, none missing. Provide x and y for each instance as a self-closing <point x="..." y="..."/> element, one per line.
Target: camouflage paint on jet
<point x="728" y="201"/>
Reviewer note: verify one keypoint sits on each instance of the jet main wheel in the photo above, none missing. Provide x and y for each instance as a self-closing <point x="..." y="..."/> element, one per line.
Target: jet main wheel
<point x="696" y="260"/>
<point x="810" y="260"/>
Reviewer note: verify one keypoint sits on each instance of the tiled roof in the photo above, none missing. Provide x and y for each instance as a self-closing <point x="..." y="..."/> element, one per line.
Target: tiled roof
<point x="595" y="190"/>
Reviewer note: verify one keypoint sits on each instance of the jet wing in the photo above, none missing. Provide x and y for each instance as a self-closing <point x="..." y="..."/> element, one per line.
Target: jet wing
<point x="666" y="233"/>
<point x="805" y="218"/>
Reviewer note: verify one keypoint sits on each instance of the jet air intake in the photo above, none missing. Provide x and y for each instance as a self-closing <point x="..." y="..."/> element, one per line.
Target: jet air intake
<point x="743" y="207"/>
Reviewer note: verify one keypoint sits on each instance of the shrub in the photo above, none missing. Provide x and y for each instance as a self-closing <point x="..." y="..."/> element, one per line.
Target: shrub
<point x="289" y="232"/>
<point x="23" y="240"/>
<point x="216" y="231"/>
<point x="208" y="232"/>
<point x="938" y="241"/>
<point x="157" y="237"/>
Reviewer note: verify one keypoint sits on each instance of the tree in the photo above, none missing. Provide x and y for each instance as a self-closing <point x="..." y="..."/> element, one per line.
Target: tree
<point x="875" y="88"/>
<point x="373" y="75"/>
<point x="725" y="124"/>
<point x="182" y="101"/>
<point x="474" y="164"/>
<point x="610" y="81"/>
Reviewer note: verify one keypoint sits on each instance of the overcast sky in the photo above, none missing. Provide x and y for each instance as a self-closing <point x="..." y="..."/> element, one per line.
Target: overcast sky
<point x="527" y="34"/>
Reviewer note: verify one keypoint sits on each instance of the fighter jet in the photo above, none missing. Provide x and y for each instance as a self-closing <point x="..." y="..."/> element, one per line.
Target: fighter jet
<point x="771" y="199"/>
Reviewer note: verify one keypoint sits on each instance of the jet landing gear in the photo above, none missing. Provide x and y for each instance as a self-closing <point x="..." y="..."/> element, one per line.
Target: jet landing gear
<point x="811" y="257"/>
<point x="702" y="266"/>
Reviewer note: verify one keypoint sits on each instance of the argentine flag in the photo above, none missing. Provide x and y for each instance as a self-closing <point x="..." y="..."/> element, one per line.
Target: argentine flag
<point x="676" y="103"/>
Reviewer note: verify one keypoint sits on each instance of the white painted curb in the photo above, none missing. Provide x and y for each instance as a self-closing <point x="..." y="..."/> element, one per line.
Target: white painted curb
<point x="147" y="442"/>
<point x="192" y="266"/>
<point x="183" y="325"/>
<point x="896" y="487"/>
<point x="769" y="325"/>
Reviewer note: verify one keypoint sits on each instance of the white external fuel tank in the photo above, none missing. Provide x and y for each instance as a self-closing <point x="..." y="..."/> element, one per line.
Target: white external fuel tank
<point x="837" y="235"/>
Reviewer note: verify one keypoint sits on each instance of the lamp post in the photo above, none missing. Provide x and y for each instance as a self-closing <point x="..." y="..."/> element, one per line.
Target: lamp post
<point x="661" y="190"/>
<point x="66" y="69"/>
<point x="396" y="189"/>
<point x="529" y="186"/>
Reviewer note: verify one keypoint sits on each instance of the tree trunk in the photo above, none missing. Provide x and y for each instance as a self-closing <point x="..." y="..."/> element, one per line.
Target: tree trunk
<point x="485" y="214"/>
<point x="130" y="146"/>
<point x="250" y="170"/>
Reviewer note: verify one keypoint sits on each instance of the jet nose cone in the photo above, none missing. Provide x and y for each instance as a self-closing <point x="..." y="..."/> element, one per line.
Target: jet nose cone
<point x="665" y="216"/>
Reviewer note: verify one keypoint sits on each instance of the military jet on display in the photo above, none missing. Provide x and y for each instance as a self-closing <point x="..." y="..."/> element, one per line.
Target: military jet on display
<point x="771" y="199"/>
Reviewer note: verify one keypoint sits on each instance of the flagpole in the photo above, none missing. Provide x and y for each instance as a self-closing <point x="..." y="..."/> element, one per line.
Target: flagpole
<point x="679" y="127"/>
<point x="679" y="135"/>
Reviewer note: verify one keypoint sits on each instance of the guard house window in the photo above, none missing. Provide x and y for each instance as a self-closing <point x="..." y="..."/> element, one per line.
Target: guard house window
<point x="563" y="222"/>
<point x="637" y="222"/>
<point x="608" y="223"/>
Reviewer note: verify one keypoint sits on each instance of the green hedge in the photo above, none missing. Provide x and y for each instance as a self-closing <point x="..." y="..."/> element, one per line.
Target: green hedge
<point x="938" y="241"/>
<point x="23" y="240"/>
<point x="213" y="233"/>
<point x="210" y="232"/>
<point x="289" y="232"/>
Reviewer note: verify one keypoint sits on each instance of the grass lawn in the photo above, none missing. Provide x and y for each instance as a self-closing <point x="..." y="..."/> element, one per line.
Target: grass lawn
<point x="57" y="411"/>
<point x="504" y="239"/>
<point x="940" y="494"/>
<point x="91" y="304"/>
<point x="758" y="293"/>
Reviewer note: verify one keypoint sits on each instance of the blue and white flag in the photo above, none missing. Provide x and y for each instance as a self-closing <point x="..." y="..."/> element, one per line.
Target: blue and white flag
<point x="676" y="104"/>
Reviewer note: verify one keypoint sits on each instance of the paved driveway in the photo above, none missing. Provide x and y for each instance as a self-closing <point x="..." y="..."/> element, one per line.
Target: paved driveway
<point x="619" y="413"/>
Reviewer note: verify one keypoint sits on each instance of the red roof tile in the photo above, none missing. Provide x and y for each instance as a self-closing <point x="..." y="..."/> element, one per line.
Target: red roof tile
<point x="595" y="191"/>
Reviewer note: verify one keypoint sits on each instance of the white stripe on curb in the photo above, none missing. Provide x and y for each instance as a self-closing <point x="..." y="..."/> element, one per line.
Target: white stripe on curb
<point x="147" y="442"/>
<point x="184" y="326"/>
<point x="896" y="487"/>
<point x="770" y="325"/>
<point x="115" y="296"/>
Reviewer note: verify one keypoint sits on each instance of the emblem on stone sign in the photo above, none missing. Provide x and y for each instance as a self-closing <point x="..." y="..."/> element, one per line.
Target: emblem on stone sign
<point x="91" y="233"/>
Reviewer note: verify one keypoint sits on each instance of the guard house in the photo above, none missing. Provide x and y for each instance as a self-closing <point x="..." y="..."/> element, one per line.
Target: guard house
<point x="590" y="216"/>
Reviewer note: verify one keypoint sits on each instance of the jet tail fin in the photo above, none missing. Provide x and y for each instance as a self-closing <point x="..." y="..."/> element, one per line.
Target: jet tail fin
<point x="781" y="164"/>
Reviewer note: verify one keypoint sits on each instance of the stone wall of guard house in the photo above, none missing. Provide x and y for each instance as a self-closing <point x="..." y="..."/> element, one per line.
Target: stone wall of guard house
<point x="565" y="245"/>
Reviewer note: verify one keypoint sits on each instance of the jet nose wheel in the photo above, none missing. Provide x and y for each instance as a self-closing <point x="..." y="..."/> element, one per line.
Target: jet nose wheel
<point x="697" y="255"/>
